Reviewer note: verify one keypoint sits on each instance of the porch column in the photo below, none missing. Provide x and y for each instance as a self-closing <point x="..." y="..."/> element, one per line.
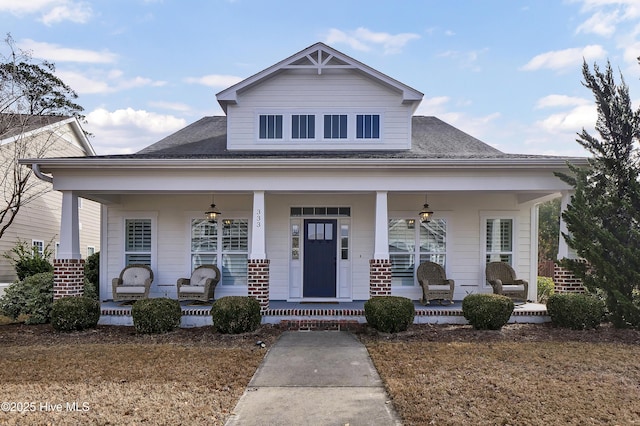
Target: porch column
<point x="380" y="265"/>
<point x="563" y="279"/>
<point x="68" y="267"/>
<point x="258" y="264"/>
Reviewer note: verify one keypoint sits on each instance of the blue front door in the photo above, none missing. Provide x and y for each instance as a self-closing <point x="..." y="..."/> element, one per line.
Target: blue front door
<point x="320" y="248"/>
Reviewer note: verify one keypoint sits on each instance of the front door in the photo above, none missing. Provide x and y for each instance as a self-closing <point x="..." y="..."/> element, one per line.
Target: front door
<point x="320" y="248"/>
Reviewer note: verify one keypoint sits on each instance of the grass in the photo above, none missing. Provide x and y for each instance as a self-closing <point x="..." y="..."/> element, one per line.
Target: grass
<point x="522" y="375"/>
<point x="511" y="383"/>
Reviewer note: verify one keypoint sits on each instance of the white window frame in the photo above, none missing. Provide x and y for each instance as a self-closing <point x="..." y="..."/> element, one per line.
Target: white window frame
<point x="417" y="252"/>
<point x="91" y="249"/>
<point x="483" y="238"/>
<point x="40" y="245"/>
<point x="153" y="216"/>
<point x="220" y="252"/>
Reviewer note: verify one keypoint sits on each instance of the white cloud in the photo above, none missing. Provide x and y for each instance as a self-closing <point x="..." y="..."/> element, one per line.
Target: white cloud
<point x="573" y="120"/>
<point x="565" y="59"/>
<point x="93" y="82"/>
<point x="52" y="11"/>
<point x="366" y="40"/>
<point x="600" y="23"/>
<point x="126" y="131"/>
<point x="215" y="80"/>
<point x="174" y="106"/>
<point x="56" y="53"/>
<point x="552" y="101"/>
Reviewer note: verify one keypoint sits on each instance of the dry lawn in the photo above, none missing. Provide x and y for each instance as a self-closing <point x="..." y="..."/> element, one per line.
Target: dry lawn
<point x="523" y="375"/>
<point x="441" y="375"/>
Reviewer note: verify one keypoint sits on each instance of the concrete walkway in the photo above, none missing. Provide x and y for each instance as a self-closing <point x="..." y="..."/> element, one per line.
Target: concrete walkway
<point x="315" y="378"/>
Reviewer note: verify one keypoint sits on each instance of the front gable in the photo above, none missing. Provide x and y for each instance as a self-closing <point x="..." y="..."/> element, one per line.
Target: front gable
<point x="319" y="99"/>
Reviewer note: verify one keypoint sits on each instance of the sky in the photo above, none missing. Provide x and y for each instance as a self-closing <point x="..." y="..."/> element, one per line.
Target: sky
<point x="508" y="72"/>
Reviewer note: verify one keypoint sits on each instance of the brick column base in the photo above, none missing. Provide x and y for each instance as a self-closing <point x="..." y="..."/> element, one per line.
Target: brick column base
<point x="379" y="277"/>
<point x="258" y="281"/>
<point x="565" y="281"/>
<point x="68" y="278"/>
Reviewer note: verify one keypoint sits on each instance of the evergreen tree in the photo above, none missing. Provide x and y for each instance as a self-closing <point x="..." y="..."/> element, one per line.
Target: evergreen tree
<point x="603" y="219"/>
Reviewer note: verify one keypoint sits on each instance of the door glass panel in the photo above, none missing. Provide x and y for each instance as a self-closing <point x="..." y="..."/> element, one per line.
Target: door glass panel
<point x="319" y="231"/>
<point x="311" y="231"/>
<point x="328" y="231"/>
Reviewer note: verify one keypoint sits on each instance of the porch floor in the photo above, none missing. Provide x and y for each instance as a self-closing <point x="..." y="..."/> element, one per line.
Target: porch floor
<point x="195" y="314"/>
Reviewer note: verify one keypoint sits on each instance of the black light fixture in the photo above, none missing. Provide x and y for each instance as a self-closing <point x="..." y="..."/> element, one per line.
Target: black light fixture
<point x="425" y="214"/>
<point x="212" y="214"/>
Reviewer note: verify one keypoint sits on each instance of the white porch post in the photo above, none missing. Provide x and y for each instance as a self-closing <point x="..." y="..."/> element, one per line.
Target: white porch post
<point x="69" y="228"/>
<point x="258" y="264"/>
<point x="564" y="251"/>
<point x="68" y="267"/>
<point x="258" y="242"/>
<point x="533" y="272"/>
<point x="380" y="265"/>
<point x="381" y="243"/>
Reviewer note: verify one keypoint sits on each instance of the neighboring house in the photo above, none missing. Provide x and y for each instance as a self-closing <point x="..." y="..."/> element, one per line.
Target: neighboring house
<point x="38" y="222"/>
<point x="319" y="171"/>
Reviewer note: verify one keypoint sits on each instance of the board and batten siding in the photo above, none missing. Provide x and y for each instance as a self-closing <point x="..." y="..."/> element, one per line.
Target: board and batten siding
<point x="336" y="92"/>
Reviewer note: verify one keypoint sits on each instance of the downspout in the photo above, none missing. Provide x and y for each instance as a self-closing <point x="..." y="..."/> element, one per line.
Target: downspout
<point x="36" y="170"/>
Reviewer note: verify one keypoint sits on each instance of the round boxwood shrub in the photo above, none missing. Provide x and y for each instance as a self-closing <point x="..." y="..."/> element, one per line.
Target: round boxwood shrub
<point x="75" y="313"/>
<point x="576" y="311"/>
<point x="154" y="316"/>
<point x="236" y="314"/>
<point x="32" y="297"/>
<point x="389" y="314"/>
<point x="487" y="311"/>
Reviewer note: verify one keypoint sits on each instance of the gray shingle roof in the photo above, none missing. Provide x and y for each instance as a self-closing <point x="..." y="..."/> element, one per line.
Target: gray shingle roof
<point x="16" y="124"/>
<point x="431" y="138"/>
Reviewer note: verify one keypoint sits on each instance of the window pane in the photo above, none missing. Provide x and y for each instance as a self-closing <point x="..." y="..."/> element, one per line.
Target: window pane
<point x="198" y="259"/>
<point x="311" y="126"/>
<point x="367" y="126"/>
<point x="270" y="126"/>
<point x="138" y="235"/>
<point x="311" y="231"/>
<point x="402" y="236"/>
<point x="360" y="126"/>
<point x="263" y="127"/>
<point x="234" y="269"/>
<point x="343" y="126"/>
<point x="235" y="235"/>
<point x="295" y="126"/>
<point x="278" y="127"/>
<point x="138" y="258"/>
<point x="375" y="126"/>
<point x="402" y="269"/>
<point x="328" y="231"/>
<point x="433" y="236"/>
<point x="319" y="231"/>
<point x="204" y="235"/>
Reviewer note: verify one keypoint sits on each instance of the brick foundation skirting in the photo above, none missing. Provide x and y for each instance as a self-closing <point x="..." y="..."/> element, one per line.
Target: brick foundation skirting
<point x="68" y="278"/>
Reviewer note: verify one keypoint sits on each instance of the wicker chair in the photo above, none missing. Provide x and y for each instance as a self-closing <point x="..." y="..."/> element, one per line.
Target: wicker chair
<point x="201" y="285"/>
<point x="502" y="278"/>
<point x="133" y="283"/>
<point x="434" y="283"/>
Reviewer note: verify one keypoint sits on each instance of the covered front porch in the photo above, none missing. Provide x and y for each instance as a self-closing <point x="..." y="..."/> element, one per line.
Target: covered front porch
<point x="314" y="315"/>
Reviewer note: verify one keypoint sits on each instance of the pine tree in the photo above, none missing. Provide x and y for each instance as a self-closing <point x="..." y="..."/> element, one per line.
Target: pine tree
<point x="603" y="219"/>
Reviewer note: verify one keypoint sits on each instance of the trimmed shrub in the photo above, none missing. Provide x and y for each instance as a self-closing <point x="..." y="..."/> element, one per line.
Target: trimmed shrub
<point x="487" y="311"/>
<point x="92" y="276"/>
<point x="389" y="314"/>
<point x="236" y="314"/>
<point x="75" y="313"/>
<point x="546" y="288"/>
<point x="155" y="316"/>
<point x="576" y="311"/>
<point x="32" y="297"/>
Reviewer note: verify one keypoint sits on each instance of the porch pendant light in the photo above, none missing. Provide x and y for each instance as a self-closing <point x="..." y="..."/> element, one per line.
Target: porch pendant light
<point x="212" y="214"/>
<point x="425" y="214"/>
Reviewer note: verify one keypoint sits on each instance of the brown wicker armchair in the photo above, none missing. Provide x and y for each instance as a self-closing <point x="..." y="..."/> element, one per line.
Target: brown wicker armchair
<point x="201" y="285"/>
<point x="133" y="283"/>
<point x="434" y="283"/>
<point x="503" y="279"/>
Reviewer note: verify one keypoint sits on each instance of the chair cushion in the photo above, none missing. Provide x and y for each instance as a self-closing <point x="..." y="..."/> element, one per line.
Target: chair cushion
<point x="511" y="287"/>
<point x="438" y="287"/>
<point x="201" y="275"/>
<point x="192" y="289"/>
<point x="135" y="276"/>
<point x="130" y="289"/>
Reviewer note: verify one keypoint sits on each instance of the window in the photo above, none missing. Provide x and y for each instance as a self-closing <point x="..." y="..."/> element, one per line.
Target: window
<point x="90" y="250"/>
<point x="204" y="243"/>
<point x="270" y="126"/>
<point x="412" y="242"/>
<point x="137" y="249"/>
<point x="39" y="246"/>
<point x="367" y="126"/>
<point x="303" y="126"/>
<point x="335" y="126"/>
<point x="499" y="240"/>
<point x="225" y="243"/>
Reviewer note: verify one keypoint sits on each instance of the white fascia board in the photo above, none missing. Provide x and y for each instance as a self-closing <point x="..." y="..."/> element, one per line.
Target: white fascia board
<point x="50" y="164"/>
<point x="48" y="127"/>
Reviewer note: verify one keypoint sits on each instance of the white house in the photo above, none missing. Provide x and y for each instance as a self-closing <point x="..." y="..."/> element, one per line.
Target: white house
<point x="37" y="221"/>
<point x="319" y="170"/>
